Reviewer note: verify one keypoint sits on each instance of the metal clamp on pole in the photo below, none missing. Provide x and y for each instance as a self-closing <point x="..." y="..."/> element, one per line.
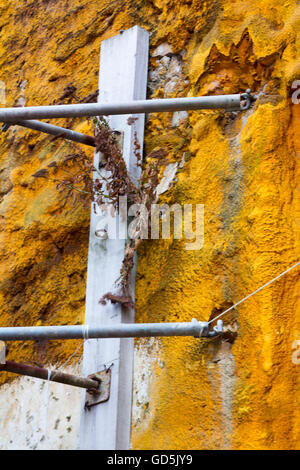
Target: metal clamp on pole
<point x="247" y="99"/>
<point x="206" y="333"/>
<point x="217" y="330"/>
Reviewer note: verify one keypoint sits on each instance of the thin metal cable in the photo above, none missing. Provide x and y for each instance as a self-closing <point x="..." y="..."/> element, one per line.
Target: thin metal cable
<point x="53" y="374"/>
<point x="86" y="337"/>
<point x="72" y="355"/>
<point x="257" y="290"/>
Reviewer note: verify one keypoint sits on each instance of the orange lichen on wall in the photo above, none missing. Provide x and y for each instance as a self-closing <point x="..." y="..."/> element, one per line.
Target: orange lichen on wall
<point x="244" y="168"/>
<point x="239" y="392"/>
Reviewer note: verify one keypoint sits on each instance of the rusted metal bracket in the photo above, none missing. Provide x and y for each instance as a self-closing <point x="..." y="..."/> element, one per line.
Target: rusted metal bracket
<point x="102" y="394"/>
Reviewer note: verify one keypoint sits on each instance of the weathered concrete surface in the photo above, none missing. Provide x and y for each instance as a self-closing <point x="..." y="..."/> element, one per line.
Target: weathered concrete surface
<point x="243" y="168"/>
<point x="35" y="414"/>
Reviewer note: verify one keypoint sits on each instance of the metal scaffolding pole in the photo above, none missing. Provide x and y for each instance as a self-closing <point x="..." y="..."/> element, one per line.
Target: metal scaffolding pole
<point x="229" y="102"/>
<point x="54" y="130"/>
<point x="122" y="330"/>
<point x="53" y="376"/>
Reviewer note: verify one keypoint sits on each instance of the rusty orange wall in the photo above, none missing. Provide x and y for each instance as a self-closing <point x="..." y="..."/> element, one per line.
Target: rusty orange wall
<point x="242" y="393"/>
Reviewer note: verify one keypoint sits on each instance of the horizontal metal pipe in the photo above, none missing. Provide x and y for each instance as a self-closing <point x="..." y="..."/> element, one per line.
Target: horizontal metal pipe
<point x="53" y="376"/>
<point x="229" y="102"/>
<point x="122" y="330"/>
<point x="57" y="131"/>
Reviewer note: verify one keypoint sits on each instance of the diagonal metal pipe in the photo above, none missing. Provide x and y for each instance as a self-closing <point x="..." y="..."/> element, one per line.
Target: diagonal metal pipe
<point x="54" y="130"/>
<point x="53" y="376"/>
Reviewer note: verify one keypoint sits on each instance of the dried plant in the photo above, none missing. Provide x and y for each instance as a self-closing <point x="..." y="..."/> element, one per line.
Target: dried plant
<point x="83" y="183"/>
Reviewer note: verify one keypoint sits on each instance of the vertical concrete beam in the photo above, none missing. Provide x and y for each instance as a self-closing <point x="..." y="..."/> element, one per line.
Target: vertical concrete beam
<point x="123" y="77"/>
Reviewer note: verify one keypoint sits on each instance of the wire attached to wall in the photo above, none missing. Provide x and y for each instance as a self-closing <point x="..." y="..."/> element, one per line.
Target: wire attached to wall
<point x="255" y="292"/>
